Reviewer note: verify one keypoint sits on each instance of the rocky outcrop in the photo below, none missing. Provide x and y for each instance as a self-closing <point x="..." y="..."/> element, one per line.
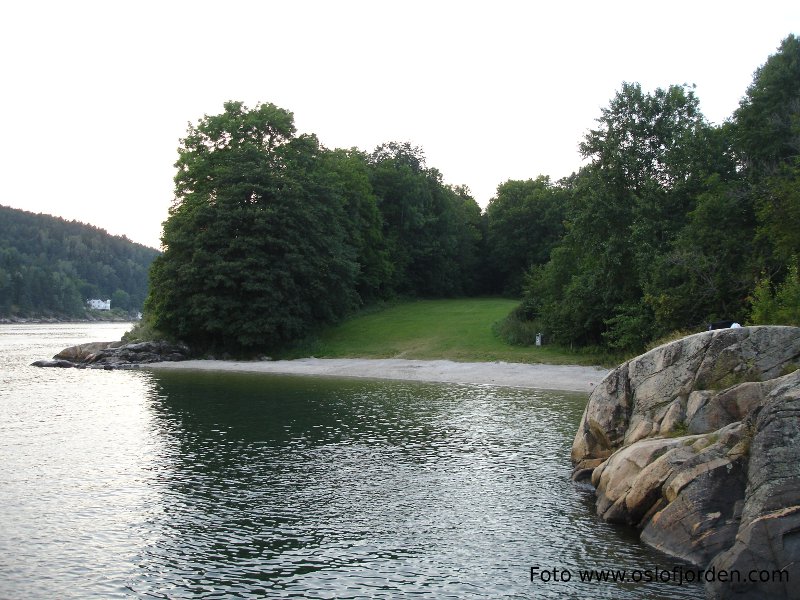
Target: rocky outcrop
<point x="116" y="355"/>
<point x="81" y="352"/>
<point x="697" y="443"/>
<point x="769" y="534"/>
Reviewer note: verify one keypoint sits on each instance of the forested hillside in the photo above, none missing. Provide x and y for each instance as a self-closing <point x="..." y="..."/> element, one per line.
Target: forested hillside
<point x="673" y="222"/>
<point x="49" y="267"/>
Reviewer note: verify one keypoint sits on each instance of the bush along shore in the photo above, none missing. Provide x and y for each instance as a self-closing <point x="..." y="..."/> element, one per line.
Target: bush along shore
<point x="115" y="355"/>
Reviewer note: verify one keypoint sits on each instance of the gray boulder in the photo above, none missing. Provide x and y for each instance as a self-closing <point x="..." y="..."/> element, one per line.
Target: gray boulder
<point x="649" y="395"/>
<point x="768" y="538"/>
<point x="139" y="353"/>
<point x="697" y="444"/>
<point x="79" y="353"/>
<point x="116" y="355"/>
<point x="53" y="362"/>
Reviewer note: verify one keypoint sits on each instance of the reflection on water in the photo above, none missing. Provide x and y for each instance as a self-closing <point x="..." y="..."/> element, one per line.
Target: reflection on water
<point x="178" y="485"/>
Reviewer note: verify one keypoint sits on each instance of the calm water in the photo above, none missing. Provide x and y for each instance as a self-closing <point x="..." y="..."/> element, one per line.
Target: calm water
<point x="129" y="484"/>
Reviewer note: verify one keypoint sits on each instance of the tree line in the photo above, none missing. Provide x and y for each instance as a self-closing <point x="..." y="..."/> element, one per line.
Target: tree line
<point x="672" y="223"/>
<point x="49" y="267"/>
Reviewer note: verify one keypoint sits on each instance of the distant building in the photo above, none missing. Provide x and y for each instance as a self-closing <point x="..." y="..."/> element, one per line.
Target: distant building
<point x="99" y="304"/>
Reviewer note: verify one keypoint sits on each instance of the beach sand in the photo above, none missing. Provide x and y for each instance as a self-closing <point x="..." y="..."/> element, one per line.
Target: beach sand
<point x="539" y="376"/>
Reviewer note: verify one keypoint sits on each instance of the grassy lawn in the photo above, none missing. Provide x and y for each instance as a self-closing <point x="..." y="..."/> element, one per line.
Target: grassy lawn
<point x="459" y="330"/>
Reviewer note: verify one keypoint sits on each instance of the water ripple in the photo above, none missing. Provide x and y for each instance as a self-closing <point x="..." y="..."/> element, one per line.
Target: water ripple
<point x="119" y="485"/>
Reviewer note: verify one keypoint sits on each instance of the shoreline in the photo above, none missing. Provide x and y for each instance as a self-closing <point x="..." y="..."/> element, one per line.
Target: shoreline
<point x="59" y="321"/>
<point x="567" y="378"/>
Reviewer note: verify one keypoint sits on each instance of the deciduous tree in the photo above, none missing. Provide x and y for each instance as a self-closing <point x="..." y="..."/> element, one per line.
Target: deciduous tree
<point x="255" y="250"/>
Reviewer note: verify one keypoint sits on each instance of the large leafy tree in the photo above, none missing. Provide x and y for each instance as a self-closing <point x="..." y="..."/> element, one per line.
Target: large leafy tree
<point x="349" y="175"/>
<point x="650" y="157"/>
<point x="525" y="221"/>
<point x="466" y="240"/>
<point x="399" y="179"/>
<point x="766" y="130"/>
<point x="767" y="122"/>
<point x="650" y="151"/>
<point x="673" y="220"/>
<point x="431" y="230"/>
<point x="255" y="250"/>
<point x="449" y="263"/>
<point x="708" y="272"/>
<point x="747" y="218"/>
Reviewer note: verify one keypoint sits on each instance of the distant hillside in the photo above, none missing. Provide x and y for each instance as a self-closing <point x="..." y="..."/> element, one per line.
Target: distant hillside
<point x="50" y="267"/>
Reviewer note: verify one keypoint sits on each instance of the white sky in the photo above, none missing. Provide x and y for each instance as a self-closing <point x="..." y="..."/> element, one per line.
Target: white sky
<point x="95" y="95"/>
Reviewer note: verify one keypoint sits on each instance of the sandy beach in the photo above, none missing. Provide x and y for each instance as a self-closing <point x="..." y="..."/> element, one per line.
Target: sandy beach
<point x="539" y="376"/>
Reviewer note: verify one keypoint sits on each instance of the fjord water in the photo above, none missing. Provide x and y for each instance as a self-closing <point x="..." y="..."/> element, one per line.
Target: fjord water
<point x="137" y="484"/>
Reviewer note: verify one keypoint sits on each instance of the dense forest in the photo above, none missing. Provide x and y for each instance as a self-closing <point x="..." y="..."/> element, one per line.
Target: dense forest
<point x="49" y="267"/>
<point x="672" y="223"/>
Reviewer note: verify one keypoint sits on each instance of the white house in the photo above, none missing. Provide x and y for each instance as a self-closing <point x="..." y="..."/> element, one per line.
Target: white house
<point x="99" y="304"/>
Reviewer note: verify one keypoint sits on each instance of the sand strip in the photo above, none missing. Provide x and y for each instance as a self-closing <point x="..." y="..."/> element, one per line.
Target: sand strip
<point x="539" y="376"/>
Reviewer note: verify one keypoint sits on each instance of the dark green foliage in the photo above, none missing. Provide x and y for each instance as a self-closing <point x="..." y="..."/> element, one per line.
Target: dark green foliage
<point x="466" y="240"/>
<point x="767" y="139"/>
<point x="431" y="230"/>
<point x="349" y="178"/>
<point x="122" y="300"/>
<point x="525" y="221"/>
<point x="669" y="225"/>
<point x="517" y="328"/>
<point x="624" y="209"/>
<point x="272" y="235"/>
<point x="50" y="267"/>
<point x="707" y="273"/>
<point x="255" y="249"/>
<point x="779" y="306"/>
<point x="399" y="181"/>
<point x="777" y="205"/>
<point x="767" y="122"/>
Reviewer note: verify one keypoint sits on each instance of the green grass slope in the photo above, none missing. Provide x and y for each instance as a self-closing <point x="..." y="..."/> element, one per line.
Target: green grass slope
<point x="454" y="329"/>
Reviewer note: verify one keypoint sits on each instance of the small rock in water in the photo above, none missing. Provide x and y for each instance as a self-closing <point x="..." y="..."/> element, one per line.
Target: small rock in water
<point x="116" y="355"/>
<point x="53" y="362"/>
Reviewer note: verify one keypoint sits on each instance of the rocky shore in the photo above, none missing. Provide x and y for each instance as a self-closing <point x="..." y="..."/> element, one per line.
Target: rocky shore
<point x="115" y="355"/>
<point x="697" y="443"/>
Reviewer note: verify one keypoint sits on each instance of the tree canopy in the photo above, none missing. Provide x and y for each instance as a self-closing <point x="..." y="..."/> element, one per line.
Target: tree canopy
<point x="673" y="222"/>
<point x="272" y="235"/>
<point x="525" y="221"/>
<point x="673" y="219"/>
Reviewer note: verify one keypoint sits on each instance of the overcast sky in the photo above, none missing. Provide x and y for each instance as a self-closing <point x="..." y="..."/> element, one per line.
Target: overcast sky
<point x="96" y="95"/>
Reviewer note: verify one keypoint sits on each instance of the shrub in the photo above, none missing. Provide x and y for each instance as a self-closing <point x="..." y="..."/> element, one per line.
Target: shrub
<point x="516" y="329"/>
<point x="778" y="307"/>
